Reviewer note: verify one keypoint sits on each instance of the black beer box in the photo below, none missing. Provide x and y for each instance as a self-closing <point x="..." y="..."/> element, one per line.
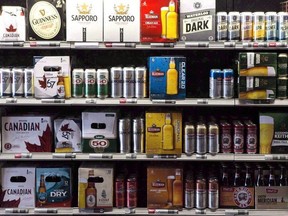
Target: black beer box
<point x="46" y="20"/>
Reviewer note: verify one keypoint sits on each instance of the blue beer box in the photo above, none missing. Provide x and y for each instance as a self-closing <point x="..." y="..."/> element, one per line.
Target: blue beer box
<point x="167" y="77"/>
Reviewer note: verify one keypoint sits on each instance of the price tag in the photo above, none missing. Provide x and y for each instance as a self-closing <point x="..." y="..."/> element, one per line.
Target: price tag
<point x="165" y="156"/>
<point x="200" y="211"/>
<point x="14" y="44"/>
<point x="64" y="155"/>
<point x="202" y="101"/>
<point x="45" y="210"/>
<point x="96" y="155"/>
<point x="162" y="44"/>
<point x="229" y="44"/>
<point x="86" y="45"/>
<point x="23" y="155"/>
<point x="90" y="101"/>
<point x="11" y="100"/>
<point x="131" y="156"/>
<point x="204" y="156"/>
<point x="197" y="44"/>
<point x="163" y="101"/>
<point x="52" y="101"/>
<point x="127" y="100"/>
<point x="16" y="210"/>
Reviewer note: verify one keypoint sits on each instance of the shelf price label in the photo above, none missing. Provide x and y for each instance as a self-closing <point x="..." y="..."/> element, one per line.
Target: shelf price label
<point x="165" y="156"/>
<point x="11" y="100"/>
<point x="53" y="101"/>
<point x="64" y="155"/>
<point x="17" y="210"/>
<point x="90" y="101"/>
<point x="196" y="44"/>
<point x="46" y="210"/>
<point x="99" y="155"/>
<point x="236" y="212"/>
<point x="276" y="157"/>
<point x="23" y="155"/>
<point x="201" y="156"/>
<point x="131" y="156"/>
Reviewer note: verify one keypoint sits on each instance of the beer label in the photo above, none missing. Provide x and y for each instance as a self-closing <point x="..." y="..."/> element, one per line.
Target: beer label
<point x="242" y="197"/>
<point x="90" y="201"/>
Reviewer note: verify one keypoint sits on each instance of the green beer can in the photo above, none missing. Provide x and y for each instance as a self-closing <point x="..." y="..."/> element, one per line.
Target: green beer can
<point x="90" y="83"/>
<point x="102" y="83"/>
<point x="78" y="82"/>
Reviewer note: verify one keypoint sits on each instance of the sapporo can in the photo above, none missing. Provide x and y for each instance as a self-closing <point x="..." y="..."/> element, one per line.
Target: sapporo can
<point x="90" y="83"/>
<point x="116" y="77"/>
<point x="213" y="138"/>
<point x="282" y="26"/>
<point x="246" y="26"/>
<point x="226" y="137"/>
<point x="189" y="192"/>
<point x="128" y="82"/>
<point x="251" y="137"/>
<point x="238" y="137"/>
<point x="102" y="83"/>
<point x="138" y="135"/>
<point x="78" y="82"/>
<point x="282" y="83"/>
<point x="17" y="82"/>
<point x="132" y="191"/>
<point x="125" y="135"/>
<point x="213" y="193"/>
<point x="140" y="82"/>
<point x="120" y="191"/>
<point x="259" y="26"/>
<point x="28" y="82"/>
<point x="215" y="83"/>
<point x="271" y="26"/>
<point x="201" y="193"/>
<point x="189" y="139"/>
<point x="234" y="26"/>
<point x="201" y="139"/>
<point x="6" y="83"/>
<point x="222" y="26"/>
<point x="228" y="83"/>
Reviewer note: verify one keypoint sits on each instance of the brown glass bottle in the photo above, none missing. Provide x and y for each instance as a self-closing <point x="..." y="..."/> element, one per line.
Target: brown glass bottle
<point x="283" y="177"/>
<point x="260" y="177"/>
<point x="178" y="189"/>
<point x="225" y="176"/>
<point x="272" y="181"/>
<point x="248" y="177"/>
<point x="42" y="195"/>
<point x="91" y="192"/>
<point x="237" y="178"/>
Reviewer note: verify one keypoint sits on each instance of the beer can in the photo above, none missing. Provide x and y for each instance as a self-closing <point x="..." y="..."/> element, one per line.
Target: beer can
<point x="251" y="137"/>
<point x="282" y="83"/>
<point x="228" y="83"/>
<point x="128" y="82"/>
<point x="90" y="83"/>
<point x="222" y="26"/>
<point x="132" y="191"/>
<point x="226" y="137"/>
<point x="120" y="191"/>
<point x="282" y="65"/>
<point x="234" y="26"/>
<point x="201" y="139"/>
<point x="116" y="77"/>
<point x="201" y="193"/>
<point x="28" y="82"/>
<point x="259" y="26"/>
<point x="189" y="139"/>
<point x="215" y="83"/>
<point x="271" y="26"/>
<point x="138" y="135"/>
<point x="246" y="26"/>
<point x="140" y="82"/>
<point x="102" y="83"/>
<point x="282" y="26"/>
<point x="238" y="137"/>
<point x="213" y="141"/>
<point x="17" y="82"/>
<point x="125" y="135"/>
<point x="6" y="83"/>
<point x="78" y="82"/>
<point x="213" y="193"/>
<point x="189" y="193"/>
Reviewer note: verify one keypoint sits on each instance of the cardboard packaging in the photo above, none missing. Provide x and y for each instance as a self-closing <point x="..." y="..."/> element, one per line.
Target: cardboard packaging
<point x="164" y="188"/>
<point x="53" y="187"/>
<point x="159" y="20"/>
<point x="46" y="20"/>
<point x="95" y="187"/>
<point x="99" y="132"/>
<point x="52" y="77"/>
<point x="18" y="187"/>
<point x="275" y="197"/>
<point x="26" y="134"/>
<point x="84" y="20"/>
<point x="68" y="134"/>
<point x="167" y="77"/>
<point x="197" y="20"/>
<point x="163" y="133"/>
<point x="12" y="23"/>
<point x="122" y="21"/>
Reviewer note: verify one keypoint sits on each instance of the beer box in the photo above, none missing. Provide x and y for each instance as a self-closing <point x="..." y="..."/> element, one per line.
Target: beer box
<point x="273" y="133"/>
<point x="18" y="187"/>
<point x="84" y="20"/>
<point x="68" y="134"/>
<point x="154" y="21"/>
<point x="46" y="20"/>
<point x="282" y="64"/>
<point x="53" y="187"/>
<point x="99" y="132"/>
<point x="237" y="197"/>
<point x="257" y="64"/>
<point x="48" y="71"/>
<point x="12" y="23"/>
<point x="26" y="134"/>
<point x="167" y="77"/>
<point x="197" y="20"/>
<point x="163" y="133"/>
<point x="122" y="21"/>
<point x="99" y="195"/>
<point x="275" y="197"/>
<point x="164" y="188"/>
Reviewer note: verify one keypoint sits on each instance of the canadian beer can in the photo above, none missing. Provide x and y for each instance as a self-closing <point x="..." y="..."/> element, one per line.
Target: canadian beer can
<point x="238" y="137"/>
<point x="215" y="83"/>
<point x="282" y="83"/>
<point x="17" y="82"/>
<point x="128" y="82"/>
<point x="251" y="137"/>
<point x="246" y="26"/>
<point x="6" y="83"/>
<point x="201" y="193"/>
<point x="189" y="139"/>
<point x="282" y="26"/>
<point x="131" y="192"/>
<point x="213" y="141"/>
<point x="102" y="83"/>
<point x="213" y="193"/>
<point x="138" y="135"/>
<point x="189" y="192"/>
<point x="226" y="137"/>
<point x="201" y="139"/>
<point x="228" y="83"/>
<point x="78" y="82"/>
<point x="116" y="77"/>
<point x="90" y="83"/>
<point x="271" y="26"/>
<point x="125" y="135"/>
<point x="222" y="26"/>
<point x="140" y="82"/>
<point x="234" y="26"/>
<point x="259" y="26"/>
<point x="28" y="82"/>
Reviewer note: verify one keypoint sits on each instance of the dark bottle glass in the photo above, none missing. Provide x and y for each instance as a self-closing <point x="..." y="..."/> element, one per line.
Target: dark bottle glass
<point x="225" y="177"/>
<point x="283" y="177"/>
<point x="272" y="181"/>
<point x="237" y="178"/>
<point x="248" y="177"/>
<point x="260" y="177"/>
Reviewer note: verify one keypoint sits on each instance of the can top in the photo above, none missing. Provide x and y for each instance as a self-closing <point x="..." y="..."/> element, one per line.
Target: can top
<point x="116" y="68"/>
<point x="271" y="13"/>
<point x="234" y="13"/>
<point x="138" y="119"/>
<point x="281" y="13"/>
<point x="140" y="68"/>
<point x="78" y="70"/>
<point x="128" y="68"/>
<point x="259" y="13"/>
<point x="100" y="70"/>
<point x="5" y="69"/>
<point x="222" y="13"/>
<point x="246" y="13"/>
<point x="90" y="70"/>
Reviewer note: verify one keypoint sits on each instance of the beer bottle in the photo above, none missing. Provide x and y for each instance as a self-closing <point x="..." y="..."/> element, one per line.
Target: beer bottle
<point x="178" y="189"/>
<point x="91" y="192"/>
<point x="283" y="177"/>
<point x="60" y="86"/>
<point x="237" y="177"/>
<point x="42" y="195"/>
<point x="272" y="181"/>
<point x="225" y="177"/>
<point x="248" y="177"/>
<point x="260" y="177"/>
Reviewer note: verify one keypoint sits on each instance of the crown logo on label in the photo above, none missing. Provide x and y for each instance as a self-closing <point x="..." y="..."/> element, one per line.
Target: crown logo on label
<point x="11" y="29"/>
<point x="84" y="8"/>
<point x="121" y="9"/>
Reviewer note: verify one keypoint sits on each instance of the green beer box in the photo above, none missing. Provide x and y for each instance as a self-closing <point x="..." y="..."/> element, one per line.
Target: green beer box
<point x="273" y="133"/>
<point x="99" y="132"/>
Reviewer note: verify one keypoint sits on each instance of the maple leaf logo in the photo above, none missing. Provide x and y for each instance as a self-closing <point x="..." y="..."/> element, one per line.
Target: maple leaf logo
<point x="45" y="142"/>
<point x="11" y="29"/>
<point x="8" y="203"/>
<point x="43" y="83"/>
<point x="65" y="127"/>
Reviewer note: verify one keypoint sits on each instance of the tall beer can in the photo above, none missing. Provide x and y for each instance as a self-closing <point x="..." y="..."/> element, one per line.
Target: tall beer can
<point x="189" y="139"/>
<point x="120" y="189"/>
<point x="28" y="82"/>
<point x="271" y="26"/>
<point x="213" y="193"/>
<point x="246" y="26"/>
<point x="116" y="77"/>
<point x="234" y="26"/>
<point x="125" y="135"/>
<point x="282" y="26"/>
<point x="78" y="82"/>
<point x="189" y="192"/>
<point x="222" y="26"/>
<point x="238" y="137"/>
<point x="132" y="191"/>
<point x="90" y="83"/>
<point x="215" y="83"/>
<point x="102" y="83"/>
<point x="201" y="193"/>
<point x="6" y="83"/>
<point x="259" y="26"/>
<point x="226" y="137"/>
<point x="213" y="141"/>
<point x="140" y="82"/>
<point x="228" y="83"/>
<point x="251" y="137"/>
<point x="138" y="135"/>
<point x="17" y="82"/>
<point x="201" y="139"/>
<point x="128" y="82"/>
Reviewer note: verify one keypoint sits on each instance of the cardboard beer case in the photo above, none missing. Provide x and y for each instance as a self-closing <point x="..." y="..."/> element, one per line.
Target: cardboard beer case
<point x="274" y="197"/>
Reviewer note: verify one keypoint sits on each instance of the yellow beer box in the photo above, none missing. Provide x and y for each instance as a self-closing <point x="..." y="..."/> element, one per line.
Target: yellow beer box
<point x="163" y="133"/>
<point x="273" y="133"/>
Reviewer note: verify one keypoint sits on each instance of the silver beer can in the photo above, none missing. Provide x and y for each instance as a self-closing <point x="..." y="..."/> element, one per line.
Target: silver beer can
<point x="17" y="82"/>
<point x="5" y="89"/>
<point x="140" y="82"/>
<point x="213" y="193"/>
<point x="201" y="139"/>
<point x="138" y="135"/>
<point x="213" y="141"/>
<point x="201" y="193"/>
<point x="128" y="82"/>
<point x="28" y="82"/>
<point x="116" y="77"/>
<point x="125" y="135"/>
<point x="189" y="139"/>
<point x="102" y="83"/>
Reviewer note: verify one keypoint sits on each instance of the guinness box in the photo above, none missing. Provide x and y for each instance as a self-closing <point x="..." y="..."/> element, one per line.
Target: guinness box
<point x="46" y="20"/>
